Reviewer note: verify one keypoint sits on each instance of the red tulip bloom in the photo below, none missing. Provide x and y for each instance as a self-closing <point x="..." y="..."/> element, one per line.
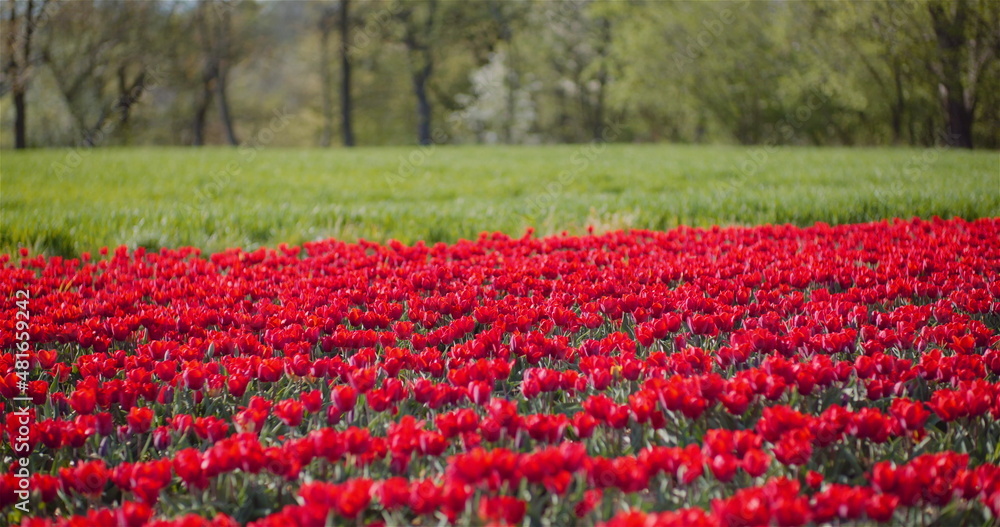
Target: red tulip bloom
<point x="166" y="370"/>
<point x="362" y="380"/>
<point x="353" y="497"/>
<point x="289" y="411"/>
<point x="270" y="370"/>
<point x="133" y="514"/>
<point x="880" y="507"/>
<point x="506" y="508"/>
<point x="948" y="405"/>
<point x="756" y="462"/>
<point x="46" y="486"/>
<point x="237" y="384"/>
<point x="814" y="479"/>
<point x="194" y="376"/>
<point x="790" y="511"/>
<point x="393" y="493"/>
<point x="723" y="467"/>
<point x="312" y="400"/>
<point x="795" y="448"/>
<point x="188" y="466"/>
<point x="83" y="401"/>
<point x="104" y="423"/>
<point x="344" y="398"/>
<point x="745" y="507"/>
<point x="161" y="438"/>
<point x="425" y="497"/>
<point x="38" y="391"/>
<point x="139" y="420"/>
<point x="591" y="499"/>
<point x="85" y="478"/>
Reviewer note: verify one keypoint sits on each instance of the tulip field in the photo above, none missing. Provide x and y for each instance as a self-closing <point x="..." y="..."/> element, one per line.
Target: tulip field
<point x="301" y="338"/>
<point x="735" y="376"/>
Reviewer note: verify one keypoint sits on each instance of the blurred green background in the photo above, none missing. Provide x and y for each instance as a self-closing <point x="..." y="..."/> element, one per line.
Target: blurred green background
<point x="383" y="72"/>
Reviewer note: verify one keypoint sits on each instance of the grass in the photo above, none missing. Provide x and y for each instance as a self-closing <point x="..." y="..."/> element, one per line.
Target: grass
<point x="63" y="202"/>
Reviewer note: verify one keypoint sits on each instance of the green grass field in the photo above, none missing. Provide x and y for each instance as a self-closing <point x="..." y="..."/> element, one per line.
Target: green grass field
<point x="63" y="202"/>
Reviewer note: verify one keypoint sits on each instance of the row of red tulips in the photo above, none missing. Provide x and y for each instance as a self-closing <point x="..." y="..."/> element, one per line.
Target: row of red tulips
<point x="654" y="403"/>
<point x="934" y="479"/>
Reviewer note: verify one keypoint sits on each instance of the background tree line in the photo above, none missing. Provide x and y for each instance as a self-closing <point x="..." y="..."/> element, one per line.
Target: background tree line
<point x="374" y="72"/>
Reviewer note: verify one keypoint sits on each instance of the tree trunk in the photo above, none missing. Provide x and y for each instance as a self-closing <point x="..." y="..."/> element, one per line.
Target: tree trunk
<point x="20" y="84"/>
<point x="128" y="95"/>
<point x="207" y="75"/>
<point x="510" y="78"/>
<point x="418" y="45"/>
<point x="123" y="93"/>
<point x="899" y="106"/>
<point x="959" y="123"/>
<point x="221" y="64"/>
<point x="215" y="47"/>
<point x="326" y="77"/>
<point x="599" y="110"/>
<point x="511" y="103"/>
<point x="423" y="105"/>
<point x="951" y="38"/>
<point x="602" y="79"/>
<point x="227" y="120"/>
<point x="20" y="118"/>
<point x="201" y="112"/>
<point x="345" y="74"/>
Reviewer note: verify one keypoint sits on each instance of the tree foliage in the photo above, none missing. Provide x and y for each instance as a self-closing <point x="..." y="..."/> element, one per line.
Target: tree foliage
<point x="111" y="72"/>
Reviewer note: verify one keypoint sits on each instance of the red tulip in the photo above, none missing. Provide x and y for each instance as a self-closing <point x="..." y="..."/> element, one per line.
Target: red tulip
<point x="756" y="462"/>
<point x="723" y="467"/>
<point x="312" y="401"/>
<point x="161" y="438"/>
<point x="139" y="420"/>
<point x="344" y="398"/>
<point x="880" y="507"/>
<point x="83" y="401"/>
<point x="289" y="411"/>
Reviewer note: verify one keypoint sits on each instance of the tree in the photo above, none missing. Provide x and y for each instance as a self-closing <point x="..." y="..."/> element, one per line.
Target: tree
<point x="345" y="73"/>
<point x="79" y="54"/>
<point x="513" y="71"/>
<point x="133" y="60"/>
<point x="341" y="15"/>
<point x="601" y="76"/>
<point x="495" y="109"/>
<point x="215" y="33"/>
<point x="419" y="23"/>
<point x="99" y="56"/>
<point x="967" y="40"/>
<point x="326" y="22"/>
<point x="572" y="67"/>
<point x="507" y="18"/>
<point x="881" y="38"/>
<point x="20" y="60"/>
